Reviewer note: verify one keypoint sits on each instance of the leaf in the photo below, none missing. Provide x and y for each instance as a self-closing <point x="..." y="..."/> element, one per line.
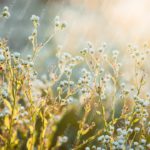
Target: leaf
<point x="2" y="138"/>
<point x="31" y="129"/>
<point x="38" y="128"/>
<point x="98" y="112"/>
<point x="7" y="103"/>
<point x="29" y="143"/>
<point x="7" y="122"/>
<point x="135" y="120"/>
<point x="83" y="132"/>
<point x="14" y="140"/>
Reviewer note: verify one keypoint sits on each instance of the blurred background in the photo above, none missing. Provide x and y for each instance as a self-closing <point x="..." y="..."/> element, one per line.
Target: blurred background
<point x="116" y="22"/>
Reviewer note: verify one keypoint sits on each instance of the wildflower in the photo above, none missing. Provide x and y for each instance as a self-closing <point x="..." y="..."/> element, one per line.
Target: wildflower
<point x="120" y="141"/>
<point x="100" y="50"/>
<point x="79" y="58"/>
<point x="119" y="130"/>
<point x="60" y="25"/>
<point x="64" y="139"/>
<point x="31" y="64"/>
<point x="19" y="67"/>
<point x="136" y="129"/>
<point x="68" y="71"/>
<point x="100" y="138"/>
<point x="5" y="8"/>
<point x="141" y="147"/>
<point x="16" y="55"/>
<point x="124" y="132"/>
<point x="143" y="141"/>
<point x="6" y="13"/>
<point x="66" y="56"/>
<point x="93" y="147"/>
<point x="87" y="148"/>
<point x="2" y="58"/>
<point x="25" y="63"/>
<point x="115" y="143"/>
<point x="1" y="115"/>
<point x="115" y="54"/>
<point x="70" y="100"/>
<point x="35" y="19"/>
<point x="126" y="91"/>
<point x="91" y="51"/>
<point x="22" y="108"/>
<point x="106" y="138"/>
<point x="84" y="51"/>
<point x="57" y="21"/>
<point x="130" y="130"/>
<point x="63" y="25"/>
<point x="136" y="143"/>
<point x="29" y="57"/>
<point x="71" y="83"/>
<point x="5" y="111"/>
<point x="127" y="122"/>
<point x="4" y="94"/>
<point x="84" y="90"/>
<point x="31" y="38"/>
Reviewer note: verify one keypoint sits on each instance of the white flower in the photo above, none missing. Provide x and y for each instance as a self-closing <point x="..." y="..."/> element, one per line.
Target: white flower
<point x="143" y="141"/>
<point x="2" y="58"/>
<point x="70" y="100"/>
<point x="64" y="139"/>
<point x="87" y="148"/>
<point x="35" y="19"/>
<point x="137" y="129"/>
<point x="16" y="54"/>
<point x="6" y="13"/>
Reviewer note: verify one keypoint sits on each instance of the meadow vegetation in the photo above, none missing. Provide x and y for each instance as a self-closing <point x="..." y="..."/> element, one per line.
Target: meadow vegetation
<point x="98" y="111"/>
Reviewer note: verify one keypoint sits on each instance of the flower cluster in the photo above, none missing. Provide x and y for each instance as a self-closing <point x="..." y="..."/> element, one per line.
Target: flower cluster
<point x="5" y="12"/>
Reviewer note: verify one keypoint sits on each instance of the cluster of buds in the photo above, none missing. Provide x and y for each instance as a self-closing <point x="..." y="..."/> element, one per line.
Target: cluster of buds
<point x="59" y="25"/>
<point x="5" y="12"/>
<point x="35" y="20"/>
<point x="89" y="49"/>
